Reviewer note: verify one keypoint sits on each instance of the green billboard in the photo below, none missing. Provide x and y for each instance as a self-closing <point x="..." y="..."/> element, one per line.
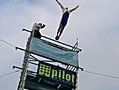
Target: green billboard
<point x="57" y="74"/>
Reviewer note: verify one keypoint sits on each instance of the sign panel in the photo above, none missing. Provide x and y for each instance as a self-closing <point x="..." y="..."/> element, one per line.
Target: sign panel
<point x="57" y="74"/>
<point x="52" y="51"/>
<point x="38" y="83"/>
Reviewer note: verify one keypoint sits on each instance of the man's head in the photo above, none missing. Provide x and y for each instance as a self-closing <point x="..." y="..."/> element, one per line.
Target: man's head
<point x="66" y="8"/>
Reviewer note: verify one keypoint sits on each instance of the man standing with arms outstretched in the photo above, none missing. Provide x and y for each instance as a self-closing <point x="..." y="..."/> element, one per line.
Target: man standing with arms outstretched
<point x="64" y="19"/>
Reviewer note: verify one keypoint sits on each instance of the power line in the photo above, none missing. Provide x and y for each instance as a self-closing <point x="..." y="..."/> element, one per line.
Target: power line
<point x="9" y="73"/>
<point x="7" y="43"/>
<point x="96" y="73"/>
<point x="105" y="75"/>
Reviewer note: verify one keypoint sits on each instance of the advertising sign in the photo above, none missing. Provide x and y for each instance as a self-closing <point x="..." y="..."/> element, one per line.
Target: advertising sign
<point x="53" y="51"/>
<point x="38" y="83"/>
<point x="57" y="74"/>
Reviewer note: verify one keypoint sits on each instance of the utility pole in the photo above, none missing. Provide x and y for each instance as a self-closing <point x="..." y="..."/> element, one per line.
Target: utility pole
<point x="36" y="27"/>
<point x="24" y="66"/>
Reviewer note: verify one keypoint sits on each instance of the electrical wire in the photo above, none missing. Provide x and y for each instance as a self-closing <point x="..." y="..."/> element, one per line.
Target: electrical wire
<point x="11" y="46"/>
<point x="95" y="73"/>
<point x="105" y="75"/>
<point x="9" y="73"/>
<point x="7" y="43"/>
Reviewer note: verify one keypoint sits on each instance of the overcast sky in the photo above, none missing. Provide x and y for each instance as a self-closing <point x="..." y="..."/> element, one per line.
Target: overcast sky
<point x="95" y="23"/>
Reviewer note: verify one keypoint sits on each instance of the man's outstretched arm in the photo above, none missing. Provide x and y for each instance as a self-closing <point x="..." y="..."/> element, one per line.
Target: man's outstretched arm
<point x="74" y="8"/>
<point x="60" y="4"/>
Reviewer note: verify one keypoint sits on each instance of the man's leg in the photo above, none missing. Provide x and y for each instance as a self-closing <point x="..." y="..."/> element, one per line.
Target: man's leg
<point x="58" y="32"/>
<point x="61" y="30"/>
